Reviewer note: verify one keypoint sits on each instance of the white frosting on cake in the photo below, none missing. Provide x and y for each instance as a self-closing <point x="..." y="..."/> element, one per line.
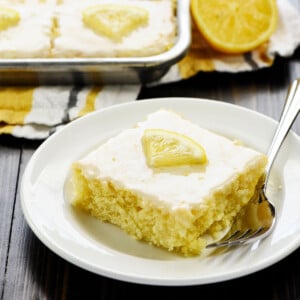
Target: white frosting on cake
<point x="122" y="161"/>
<point x="77" y="40"/>
<point x="31" y="36"/>
<point x="30" y="1"/>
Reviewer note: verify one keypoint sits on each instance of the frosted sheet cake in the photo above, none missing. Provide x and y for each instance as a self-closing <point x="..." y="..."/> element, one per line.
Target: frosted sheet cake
<point x="85" y="29"/>
<point x="67" y="29"/>
<point x="173" y="207"/>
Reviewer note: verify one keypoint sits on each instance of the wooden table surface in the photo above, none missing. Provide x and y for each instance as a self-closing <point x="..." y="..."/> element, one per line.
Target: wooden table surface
<point x="29" y="270"/>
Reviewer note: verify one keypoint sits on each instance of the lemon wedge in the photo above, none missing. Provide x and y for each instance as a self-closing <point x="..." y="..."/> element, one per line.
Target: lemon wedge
<point x="235" y="26"/>
<point x="164" y="148"/>
<point x="114" y="20"/>
<point x="8" y="17"/>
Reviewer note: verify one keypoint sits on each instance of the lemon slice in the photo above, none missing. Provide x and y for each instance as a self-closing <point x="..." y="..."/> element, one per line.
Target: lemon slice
<point x="8" y="17"/>
<point x="164" y="148"/>
<point x="235" y="26"/>
<point x="114" y="20"/>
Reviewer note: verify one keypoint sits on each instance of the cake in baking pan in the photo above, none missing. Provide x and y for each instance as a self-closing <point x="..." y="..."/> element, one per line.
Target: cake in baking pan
<point x="167" y="181"/>
<point x="114" y="28"/>
<point x="94" y="28"/>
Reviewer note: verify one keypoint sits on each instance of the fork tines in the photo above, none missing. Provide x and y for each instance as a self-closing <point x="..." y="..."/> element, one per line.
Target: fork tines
<point x="237" y="238"/>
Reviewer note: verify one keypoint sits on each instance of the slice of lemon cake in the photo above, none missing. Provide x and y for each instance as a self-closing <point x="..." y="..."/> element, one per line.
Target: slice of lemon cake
<point x="167" y="181"/>
<point x="126" y="28"/>
<point x="25" y="31"/>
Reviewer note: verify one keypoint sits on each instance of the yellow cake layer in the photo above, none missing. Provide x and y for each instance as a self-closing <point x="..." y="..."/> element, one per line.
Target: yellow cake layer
<point x="180" y="230"/>
<point x="174" y="208"/>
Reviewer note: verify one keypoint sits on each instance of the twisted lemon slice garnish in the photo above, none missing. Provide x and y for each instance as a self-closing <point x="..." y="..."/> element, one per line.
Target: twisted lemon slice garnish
<point x="114" y="20"/>
<point x="8" y="17"/>
<point x="164" y="148"/>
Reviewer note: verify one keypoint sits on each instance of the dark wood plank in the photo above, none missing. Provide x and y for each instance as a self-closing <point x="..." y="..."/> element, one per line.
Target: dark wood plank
<point x="9" y="171"/>
<point x="17" y="260"/>
<point x="28" y="258"/>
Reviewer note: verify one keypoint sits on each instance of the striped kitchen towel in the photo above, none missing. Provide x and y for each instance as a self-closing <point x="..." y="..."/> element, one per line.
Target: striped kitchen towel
<point x="36" y="112"/>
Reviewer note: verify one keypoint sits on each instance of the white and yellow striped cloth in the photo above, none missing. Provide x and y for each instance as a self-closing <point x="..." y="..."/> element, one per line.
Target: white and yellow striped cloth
<point x="36" y="112"/>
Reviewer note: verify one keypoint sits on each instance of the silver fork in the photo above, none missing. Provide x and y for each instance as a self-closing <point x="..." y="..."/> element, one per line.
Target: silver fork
<point x="246" y="229"/>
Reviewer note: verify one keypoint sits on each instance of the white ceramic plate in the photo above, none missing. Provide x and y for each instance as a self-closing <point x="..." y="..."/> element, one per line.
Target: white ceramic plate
<point x="105" y="249"/>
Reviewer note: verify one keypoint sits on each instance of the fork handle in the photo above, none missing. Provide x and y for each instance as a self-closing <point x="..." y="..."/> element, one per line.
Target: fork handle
<point x="289" y="113"/>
